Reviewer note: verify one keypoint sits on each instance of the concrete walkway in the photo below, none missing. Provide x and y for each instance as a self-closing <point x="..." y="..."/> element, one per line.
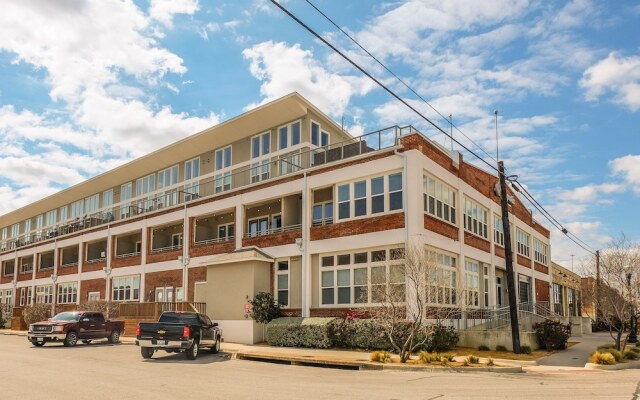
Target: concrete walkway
<point x="578" y="354"/>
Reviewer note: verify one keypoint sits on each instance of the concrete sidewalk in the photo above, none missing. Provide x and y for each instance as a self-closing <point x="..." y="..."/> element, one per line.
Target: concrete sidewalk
<point x="578" y="354"/>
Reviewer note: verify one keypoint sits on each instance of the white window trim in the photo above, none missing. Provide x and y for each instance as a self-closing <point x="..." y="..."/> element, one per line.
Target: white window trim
<point x="278" y="273"/>
<point x="479" y="222"/>
<point x="369" y="202"/>
<point x="453" y="210"/>
<point x="71" y="295"/>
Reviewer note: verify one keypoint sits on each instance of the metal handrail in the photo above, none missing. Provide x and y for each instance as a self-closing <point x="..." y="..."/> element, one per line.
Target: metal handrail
<point x="272" y="231"/>
<point x="168" y="248"/>
<point x="214" y="240"/>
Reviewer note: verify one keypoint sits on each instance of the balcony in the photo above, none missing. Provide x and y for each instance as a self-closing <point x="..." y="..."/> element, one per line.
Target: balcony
<point x="275" y="222"/>
<point x="69" y="256"/>
<point x="215" y="228"/>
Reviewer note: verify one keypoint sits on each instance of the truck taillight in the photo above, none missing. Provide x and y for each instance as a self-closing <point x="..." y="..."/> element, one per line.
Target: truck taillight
<point x="138" y="330"/>
<point x="186" y="332"/>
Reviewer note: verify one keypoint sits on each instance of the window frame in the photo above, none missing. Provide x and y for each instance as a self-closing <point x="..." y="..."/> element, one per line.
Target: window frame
<point x="68" y="296"/>
<point x="134" y="281"/>
<point x="278" y="273"/>
<point x="471" y="223"/>
<point x="523" y="249"/>
<point x="429" y="182"/>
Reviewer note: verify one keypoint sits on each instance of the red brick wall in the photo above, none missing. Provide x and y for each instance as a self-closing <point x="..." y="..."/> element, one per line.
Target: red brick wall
<point x="44" y="274"/>
<point x="72" y="269"/>
<point x="499" y="251"/>
<point x="126" y="261"/>
<point x="440" y="227"/>
<point x="275" y="239"/>
<point x="196" y="274"/>
<point x="92" y="285"/>
<point x="417" y="142"/>
<point x="541" y="267"/>
<point x="164" y="256"/>
<point x="524" y="261"/>
<point x="477" y="242"/>
<point x="160" y="279"/>
<point x="213" y="248"/>
<point x="542" y="290"/>
<point x="291" y="312"/>
<point x="358" y="227"/>
<point x="23" y="277"/>
<point x="94" y="266"/>
<point x="6" y="279"/>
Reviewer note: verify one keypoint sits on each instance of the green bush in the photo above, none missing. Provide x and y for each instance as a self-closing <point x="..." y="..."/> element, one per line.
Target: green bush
<point x="440" y="338"/>
<point x="36" y="313"/>
<point x="552" y="335"/>
<point x="429" y="358"/>
<point x="300" y="332"/>
<point x="264" y="308"/>
<point x="603" y="358"/>
<point x="635" y="349"/>
<point x="352" y="333"/>
<point x="615" y="353"/>
<point x="606" y="346"/>
<point x="381" y="356"/>
<point x="483" y="347"/>
<point x="471" y="359"/>
<point x="501" y="348"/>
<point x="630" y="355"/>
<point x="525" y="349"/>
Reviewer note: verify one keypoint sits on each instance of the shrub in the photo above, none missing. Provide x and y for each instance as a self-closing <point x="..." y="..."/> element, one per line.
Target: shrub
<point x="630" y="355"/>
<point x="483" y="347"/>
<point x="440" y="338"/>
<point x="606" y="347"/>
<point x="300" y="332"/>
<point x="501" y="348"/>
<point x="447" y="357"/>
<point x="490" y="362"/>
<point x="615" y="353"/>
<point x="2" y="320"/>
<point x="552" y="335"/>
<point x="381" y="356"/>
<point x="264" y="308"/>
<point x="428" y="358"/>
<point x="110" y="309"/>
<point x="635" y="349"/>
<point x="471" y="359"/>
<point x="603" y="358"/>
<point x="638" y="344"/>
<point x="36" y="313"/>
<point x="525" y="349"/>
<point x="353" y="333"/>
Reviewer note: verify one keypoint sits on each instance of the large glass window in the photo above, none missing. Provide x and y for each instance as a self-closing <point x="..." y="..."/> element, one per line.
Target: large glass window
<point x="126" y="288"/>
<point x="439" y="199"/>
<point x="377" y="195"/>
<point x="77" y="209"/>
<point x="315" y="133"/>
<point x="282" y="283"/>
<point x="191" y="171"/>
<point x="44" y="294"/>
<point x="92" y="204"/>
<point x="107" y="201"/>
<point x="360" y="198"/>
<point x="395" y="191"/>
<point x="472" y="282"/>
<point x="369" y="196"/>
<point x="540" y="251"/>
<point x="441" y="278"/>
<point x="125" y="195"/>
<point x="323" y="213"/>
<point x="67" y="293"/>
<point x="344" y="202"/>
<point x="523" y="240"/>
<point x="498" y="230"/>
<point x="475" y="218"/>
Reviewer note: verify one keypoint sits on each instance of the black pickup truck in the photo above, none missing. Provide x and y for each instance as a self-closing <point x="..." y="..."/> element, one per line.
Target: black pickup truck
<point x="178" y="332"/>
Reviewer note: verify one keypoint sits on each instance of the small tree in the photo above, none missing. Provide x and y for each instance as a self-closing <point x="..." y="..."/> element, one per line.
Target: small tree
<point x="264" y="309"/>
<point x="615" y="302"/>
<point x="36" y="313"/>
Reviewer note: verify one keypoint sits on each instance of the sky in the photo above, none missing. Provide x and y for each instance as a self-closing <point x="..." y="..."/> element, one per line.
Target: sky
<point x="87" y="85"/>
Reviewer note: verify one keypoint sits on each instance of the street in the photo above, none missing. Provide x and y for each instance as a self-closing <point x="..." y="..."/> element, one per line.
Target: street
<point x="103" y="371"/>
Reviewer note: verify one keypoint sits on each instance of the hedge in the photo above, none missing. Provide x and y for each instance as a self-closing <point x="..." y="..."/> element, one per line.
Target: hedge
<point x="300" y="332"/>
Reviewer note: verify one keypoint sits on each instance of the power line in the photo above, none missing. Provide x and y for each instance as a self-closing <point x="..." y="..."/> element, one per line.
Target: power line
<point x="528" y="196"/>
<point x="450" y="121"/>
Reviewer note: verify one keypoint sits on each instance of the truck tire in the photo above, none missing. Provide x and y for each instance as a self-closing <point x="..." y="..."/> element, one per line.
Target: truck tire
<point x="216" y="346"/>
<point x="71" y="339"/>
<point x="147" y="352"/>
<point x="114" y="337"/>
<point x="192" y="352"/>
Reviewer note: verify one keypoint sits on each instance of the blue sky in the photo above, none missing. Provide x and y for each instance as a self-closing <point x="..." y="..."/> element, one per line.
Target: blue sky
<point x="88" y="85"/>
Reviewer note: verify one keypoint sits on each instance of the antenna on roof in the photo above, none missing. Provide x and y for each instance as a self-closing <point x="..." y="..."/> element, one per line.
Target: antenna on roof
<point x="497" y="149"/>
<point x="451" y="130"/>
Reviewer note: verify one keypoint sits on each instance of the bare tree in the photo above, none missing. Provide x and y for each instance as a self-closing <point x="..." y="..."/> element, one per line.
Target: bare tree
<point x="615" y="302"/>
<point x="406" y="300"/>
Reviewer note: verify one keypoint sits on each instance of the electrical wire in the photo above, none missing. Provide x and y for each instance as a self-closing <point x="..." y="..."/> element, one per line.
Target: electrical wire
<point x="528" y="196"/>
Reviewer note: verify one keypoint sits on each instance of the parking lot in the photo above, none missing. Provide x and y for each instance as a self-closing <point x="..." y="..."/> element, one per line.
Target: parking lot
<point x="103" y="371"/>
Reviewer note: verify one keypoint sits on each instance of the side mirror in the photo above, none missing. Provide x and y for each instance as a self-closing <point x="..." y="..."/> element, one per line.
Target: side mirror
<point x="214" y="324"/>
<point x="48" y="319"/>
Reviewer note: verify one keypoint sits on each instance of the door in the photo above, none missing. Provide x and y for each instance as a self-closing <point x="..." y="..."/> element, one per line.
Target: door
<point x="164" y="294"/>
<point x="524" y="289"/>
<point x="207" y="338"/>
<point x="499" y="295"/>
<point x="88" y="327"/>
<point x="100" y="326"/>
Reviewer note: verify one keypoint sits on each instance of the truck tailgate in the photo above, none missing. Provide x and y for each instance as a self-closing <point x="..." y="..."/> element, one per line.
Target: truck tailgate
<point x="161" y="330"/>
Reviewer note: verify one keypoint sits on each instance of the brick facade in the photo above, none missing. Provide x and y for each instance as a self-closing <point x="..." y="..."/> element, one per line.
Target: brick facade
<point x="45" y="273"/>
<point x="91" y="285"/>
<point x="499" y="251"/>
<point x="524" y="261"/>
<point x="440" y="227"/>
<point x="358" y="227"/>
<point x="94" y="266"/>
<point x="126" y="261"/>
<point x="164" y="256"/>
<point x="24" y="277"/>
<point x="541" y="267"/>
<point x="152" y="280"/>
<point x="274" y="239"/>
<point x="477" y="242"/>
<point x="196" y="274"/>
<point x="68" y="270"/>
<point x="212" y="249"/>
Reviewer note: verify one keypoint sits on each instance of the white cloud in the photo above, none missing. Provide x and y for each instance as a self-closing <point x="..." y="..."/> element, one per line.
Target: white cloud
<point x="164" y="10"/>
<point x="284" y="69"/>
<point x="617" y="75"/>
<point x="629" y="167"/>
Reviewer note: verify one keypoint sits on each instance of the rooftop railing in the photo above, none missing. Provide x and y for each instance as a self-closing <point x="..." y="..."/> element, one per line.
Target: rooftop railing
<point x="253" y="172"/>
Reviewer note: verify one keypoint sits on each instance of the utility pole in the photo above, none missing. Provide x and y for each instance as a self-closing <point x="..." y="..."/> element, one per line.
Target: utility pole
<point x="597" y="284"/>
<point x="508" y="255"/>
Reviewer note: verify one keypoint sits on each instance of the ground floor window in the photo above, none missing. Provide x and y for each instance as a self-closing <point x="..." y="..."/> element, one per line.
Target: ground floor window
<point x="282" y="283"/>
<point x="67" y="293"/>
<point x="44" y="294"/>
<point x="93" y="296"/>
<point x="441" y="278"/>
<point x="126" y="288"/>
<point x="472" y="282"/>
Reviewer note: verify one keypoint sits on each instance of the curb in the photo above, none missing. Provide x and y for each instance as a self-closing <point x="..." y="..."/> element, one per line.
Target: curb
<point x="616" y="367"/>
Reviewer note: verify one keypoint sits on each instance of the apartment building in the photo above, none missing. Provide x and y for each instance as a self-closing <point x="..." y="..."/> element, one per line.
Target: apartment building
<point x="278" y="199"/>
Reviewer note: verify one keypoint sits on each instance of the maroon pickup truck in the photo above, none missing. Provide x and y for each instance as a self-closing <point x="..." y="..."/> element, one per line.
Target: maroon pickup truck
<point x="69" y="327"/>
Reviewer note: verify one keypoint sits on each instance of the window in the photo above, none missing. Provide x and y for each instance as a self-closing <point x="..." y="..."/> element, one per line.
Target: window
<point x="144" y="186"/>
<point x="39" y="224"/>
<point x="472" y="282"/>
<point x="360" y="198"/>
<point x="176" y="240"/>
<point x="107" y="201"/>
<point x="26" y="268"/>
<point x="223" y="160"/>
<point x="295" y="133"/>
<point x="315" y="133"/>
<point x="377" y="195"/>
<point x="367" y="202"/>
<point x="260" y="146"/>
<point x="485" y="286"/>
<point x="442" y="280"/>
<point x="27" y="230"/>
<point x="44" y="294"/>
<point x="51" y="217"/>
<point x="92" y="204"/>
<point x="191" y="171"/>
<point x="167" y="178"/>
<point x="361" y="278"/>
<point x="67" y="293"/>
<point x="323" y="213"/>
<point x="77" y="209"/>
<point x="395" y="191"/>
<point x="344" y="203"/>
<point x="498" y="230"/>
<point x="475" y="218"/>
<point x="439" y="199"/>
<point x="540" y="251"/>
<point x="64" y="214"/>
<point x="126" y="288"/>
<point x="324" y="139"/>
<point x="523" y="240"/>
<point x="226" y="232"/>
<point x="282" y="283"/>
<point x="125" y="194"/>
<point x="9" y="268"/>
<point x="3" y="239"/>
<point x="259" y="226"/>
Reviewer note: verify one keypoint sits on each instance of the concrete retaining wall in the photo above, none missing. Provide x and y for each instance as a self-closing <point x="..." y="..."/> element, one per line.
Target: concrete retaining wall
<point x="495" y="338"/>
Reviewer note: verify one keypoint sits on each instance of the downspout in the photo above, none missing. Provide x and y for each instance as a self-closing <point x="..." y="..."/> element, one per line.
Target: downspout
<point x="186" y="231"/>
<point x="306" y="275"/>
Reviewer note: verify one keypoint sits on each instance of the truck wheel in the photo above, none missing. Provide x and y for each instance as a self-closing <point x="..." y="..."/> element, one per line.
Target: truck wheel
<point x="216" y="347"/>
<point x="147" y="352"/>
<point x="114" y="337"/>
<point x="71" y="339"/>
<point x="192" y="352"/>
<point x="37" y="344"/>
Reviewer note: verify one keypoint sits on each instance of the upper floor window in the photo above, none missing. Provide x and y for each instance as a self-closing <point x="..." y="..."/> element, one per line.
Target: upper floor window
<point x="523" y="241"/>
<point x="261" y="145"/>
<point x="15" y="230"/>
<point x="439" y="199"/>
<point x="9" y="268"/>
<point x="27" y="230"/>
<point x="125" y="194"/>
<point x="77" y="209"/>
<point x="146" y="185"/>
<point x="126" y="288"/>
<point x="289" y="135"/>
<point x="498" y="230"/>
<point x="540" y="251"/>
<point x="107" y="199"/>
<point x="168" y="177"/>
<point x="318" y="137"/>
<point x="64" y="214"/>
<point x="39" y="223"/>
<point x="223" y="158"/>
<point x="323" y="213"/>
<point x="3" y="239"/>
<point x="475" y="218"/>
<point x="92" y="203"/>
<point x="191" y="171"/>
<point x="472" y="282"/>
<point x="367" y="196"/>
<point x="51" y="217"/>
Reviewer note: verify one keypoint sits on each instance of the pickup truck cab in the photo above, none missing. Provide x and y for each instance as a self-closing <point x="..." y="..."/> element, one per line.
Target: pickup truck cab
<point x="176" y="332"/>
<point x="69" y="327"/>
